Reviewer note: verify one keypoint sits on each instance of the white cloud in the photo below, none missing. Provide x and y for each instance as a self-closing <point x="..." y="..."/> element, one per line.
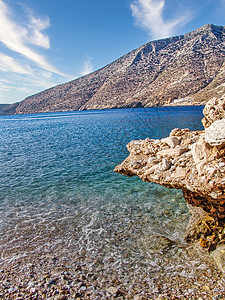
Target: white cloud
<point x="8" y="64"/>
<point x="36" y="36"/>
<point x="149" y="15"/>
<point x="47" y="75"/>
<point x="42" y="80"/>
<point x="4" y="87"/>
<point x="87" y="68"/>
<point x="24" y="90"/>
<point x="17" y="86"/>
<point x="15" y="37"/>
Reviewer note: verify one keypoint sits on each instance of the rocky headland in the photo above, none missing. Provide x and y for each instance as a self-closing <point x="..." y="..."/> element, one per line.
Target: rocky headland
<point x="194" y="162"/>
<point x="181" y="70"/>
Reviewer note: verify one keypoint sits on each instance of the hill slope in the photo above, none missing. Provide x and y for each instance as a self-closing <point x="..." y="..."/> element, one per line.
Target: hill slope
<point x="189" y="66"/>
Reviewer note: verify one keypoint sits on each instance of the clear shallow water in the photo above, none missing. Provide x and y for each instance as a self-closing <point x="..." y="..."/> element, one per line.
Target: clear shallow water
<point x="59" y="193"/>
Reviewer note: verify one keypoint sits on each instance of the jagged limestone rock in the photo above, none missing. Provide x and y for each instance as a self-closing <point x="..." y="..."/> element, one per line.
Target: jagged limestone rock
<point x="215" y="133"/>
<point x="214" y="110"/>
<point x="193" y="166"/>
<point x="191" y="161"/>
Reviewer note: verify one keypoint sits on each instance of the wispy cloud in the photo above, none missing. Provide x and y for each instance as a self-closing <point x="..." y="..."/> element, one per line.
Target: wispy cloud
<point x="88" y="67"/>
<point x="18" y="38"/>
<point x="24" y="90"/>
<point x="8" y="64"/>
<point x="16" y="86"/>
<point x="148" y="14"/>
<point x="36" y="35"/>
<point x="4" y="87"/>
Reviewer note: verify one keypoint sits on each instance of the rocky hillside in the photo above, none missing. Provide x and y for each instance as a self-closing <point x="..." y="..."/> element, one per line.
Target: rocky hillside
<point x="8" y="109"/>
<point x="188" y="67"/>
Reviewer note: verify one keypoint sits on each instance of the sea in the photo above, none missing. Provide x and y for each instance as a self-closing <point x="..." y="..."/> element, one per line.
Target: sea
<point x="59" y="194"/>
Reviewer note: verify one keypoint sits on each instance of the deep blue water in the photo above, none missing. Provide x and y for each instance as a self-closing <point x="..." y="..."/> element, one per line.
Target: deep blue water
<point x="56" y="171"/>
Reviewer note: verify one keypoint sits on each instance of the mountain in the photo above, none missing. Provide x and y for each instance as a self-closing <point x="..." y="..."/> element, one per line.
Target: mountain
<point x="186" y="67"/>
<point x="8" y="109"/>
<point x="3" y="108"/>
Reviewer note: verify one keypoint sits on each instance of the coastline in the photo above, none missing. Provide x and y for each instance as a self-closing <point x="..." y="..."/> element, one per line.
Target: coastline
<point x="72" y="228"/>
<point x="183" y="104"/>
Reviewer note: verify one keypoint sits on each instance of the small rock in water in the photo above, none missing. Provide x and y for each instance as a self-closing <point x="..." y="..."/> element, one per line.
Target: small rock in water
<point x="33" y="290"/>
<point x="83" y="288"/>
<point x="52" y="281"/>
<point x="112" y="290"/>
<point x="206" y="287"/>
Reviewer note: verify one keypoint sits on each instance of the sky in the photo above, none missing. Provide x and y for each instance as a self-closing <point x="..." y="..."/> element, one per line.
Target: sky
<point x="44" y="43"/>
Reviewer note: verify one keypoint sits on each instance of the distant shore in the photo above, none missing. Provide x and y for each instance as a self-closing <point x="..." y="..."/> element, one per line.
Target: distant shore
<point x="5" y="108"/>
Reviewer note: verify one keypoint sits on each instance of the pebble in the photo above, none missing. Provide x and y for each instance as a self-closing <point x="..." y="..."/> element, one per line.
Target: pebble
<point x="59" y="297"/>
<point x="58" y="280"/>
<point x="112" y="290"/>
<point x="33" y="290"/>
<point x="52" y="281"/>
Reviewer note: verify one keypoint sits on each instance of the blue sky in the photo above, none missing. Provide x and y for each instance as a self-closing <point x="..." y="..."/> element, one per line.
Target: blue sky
<point x="47" y="42"/>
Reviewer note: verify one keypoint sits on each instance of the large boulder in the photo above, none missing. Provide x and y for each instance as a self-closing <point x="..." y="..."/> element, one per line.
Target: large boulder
<point x="191" y="161"/>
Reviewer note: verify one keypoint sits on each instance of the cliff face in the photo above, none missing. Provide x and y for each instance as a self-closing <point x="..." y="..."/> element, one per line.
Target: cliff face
<point x="189" y="66"/>
<point x="193" y="162"/>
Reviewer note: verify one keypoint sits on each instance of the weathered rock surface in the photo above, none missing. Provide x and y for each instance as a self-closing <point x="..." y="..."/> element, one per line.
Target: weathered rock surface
<point x="192" y="165"/>
<point x="191" y="161"/>
<point x="184" y="67"/>
<point x="213" y="110"/>
<point x="215" y="133"/>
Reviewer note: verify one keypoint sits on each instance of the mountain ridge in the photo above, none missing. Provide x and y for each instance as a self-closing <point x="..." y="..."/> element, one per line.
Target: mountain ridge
<point x="186" y="67"/>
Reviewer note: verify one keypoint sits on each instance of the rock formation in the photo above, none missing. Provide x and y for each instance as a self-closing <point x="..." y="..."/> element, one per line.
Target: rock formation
<point x="180" y="68"/>
<point x="191" y="161"/>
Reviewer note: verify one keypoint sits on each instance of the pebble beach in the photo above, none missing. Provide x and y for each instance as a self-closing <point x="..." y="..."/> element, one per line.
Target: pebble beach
<point x="71" y="228"/>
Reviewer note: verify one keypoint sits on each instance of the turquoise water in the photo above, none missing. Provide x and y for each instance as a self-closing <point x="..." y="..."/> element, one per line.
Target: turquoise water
<point x="59" y="192"/>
